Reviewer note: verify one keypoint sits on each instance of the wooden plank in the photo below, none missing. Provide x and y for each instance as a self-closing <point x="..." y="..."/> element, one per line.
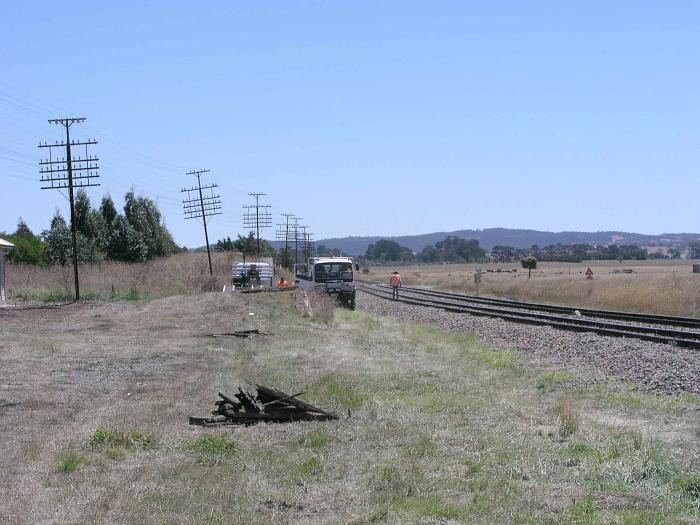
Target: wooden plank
<point x="278" y="394"/>
<point x="227" y="399"/>
<point x="281" y="400"/>
<point x="247" y="401"/>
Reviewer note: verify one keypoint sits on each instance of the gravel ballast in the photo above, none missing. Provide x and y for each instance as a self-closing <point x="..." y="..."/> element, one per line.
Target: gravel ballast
<point x="660" y="368"/>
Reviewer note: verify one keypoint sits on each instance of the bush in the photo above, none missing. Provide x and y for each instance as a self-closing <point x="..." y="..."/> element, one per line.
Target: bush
<point x="69" y="462"/>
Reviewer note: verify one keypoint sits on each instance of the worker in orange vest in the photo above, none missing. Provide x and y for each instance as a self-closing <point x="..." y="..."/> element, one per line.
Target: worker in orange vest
<point x="282" y="282"/>
<point x="395" y="282"/>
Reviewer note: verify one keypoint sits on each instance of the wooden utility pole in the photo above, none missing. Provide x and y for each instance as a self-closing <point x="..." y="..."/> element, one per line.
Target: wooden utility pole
<point x="260" y="218"/>
<point x="296" y="239"/>
<point x="283" y="233"/>
<point x="58" y="174"/>
<point x="201" y="206"/>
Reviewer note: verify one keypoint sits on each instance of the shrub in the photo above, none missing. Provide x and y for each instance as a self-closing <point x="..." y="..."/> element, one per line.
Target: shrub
<point x="69" y="462"/>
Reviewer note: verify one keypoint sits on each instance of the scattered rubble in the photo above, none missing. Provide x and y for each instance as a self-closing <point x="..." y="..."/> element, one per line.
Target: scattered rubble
<point x="266" y="404"/>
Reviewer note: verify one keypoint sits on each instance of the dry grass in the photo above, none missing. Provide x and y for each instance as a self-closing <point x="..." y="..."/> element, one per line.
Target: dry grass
<point x="322" y="306"/>
<point x="95" y="398"/>
<point x="180" y="274"/>
<point x="665" y="287"/>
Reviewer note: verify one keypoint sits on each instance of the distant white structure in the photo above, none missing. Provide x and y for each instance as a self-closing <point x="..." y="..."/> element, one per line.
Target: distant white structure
<point x="252" y="274"/>
<point x="5" y="247"/>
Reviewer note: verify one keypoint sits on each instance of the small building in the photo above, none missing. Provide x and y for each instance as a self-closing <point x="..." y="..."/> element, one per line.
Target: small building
<point x="5" y="247"/>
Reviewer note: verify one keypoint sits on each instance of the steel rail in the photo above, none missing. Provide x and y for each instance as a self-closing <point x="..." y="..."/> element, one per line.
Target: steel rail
<point x="670" y="320"/>
<point x="651" y="334"/>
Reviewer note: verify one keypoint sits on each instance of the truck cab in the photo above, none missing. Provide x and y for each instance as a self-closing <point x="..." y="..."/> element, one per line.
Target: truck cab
<point x="332" y="275"/>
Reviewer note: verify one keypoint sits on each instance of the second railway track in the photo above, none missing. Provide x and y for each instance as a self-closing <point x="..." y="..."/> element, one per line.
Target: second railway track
<point x="646" y="327"/>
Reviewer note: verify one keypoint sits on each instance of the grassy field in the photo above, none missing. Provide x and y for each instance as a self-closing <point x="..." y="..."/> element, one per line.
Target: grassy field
<point x="435" y="427"/>
<point x="180" y="274"/>
<point x="666" y="287"/>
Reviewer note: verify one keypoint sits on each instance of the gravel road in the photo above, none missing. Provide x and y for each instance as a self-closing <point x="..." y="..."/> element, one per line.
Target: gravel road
<point x="660" y="368"/>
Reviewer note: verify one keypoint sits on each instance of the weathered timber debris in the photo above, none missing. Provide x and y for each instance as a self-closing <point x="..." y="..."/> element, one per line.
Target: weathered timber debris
<point x="241" y="333"/>
<point x="265" y="404"/>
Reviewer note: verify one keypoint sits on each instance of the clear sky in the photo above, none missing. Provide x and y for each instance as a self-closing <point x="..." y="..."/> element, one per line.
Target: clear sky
<point x="378" y="117"/>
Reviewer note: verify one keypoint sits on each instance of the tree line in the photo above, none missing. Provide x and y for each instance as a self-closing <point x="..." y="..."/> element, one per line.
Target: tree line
<point x="456" y="250"/>
<point x="573" y="253"/>
<point x="137" y="234"/>
<point x="450" y="250"/>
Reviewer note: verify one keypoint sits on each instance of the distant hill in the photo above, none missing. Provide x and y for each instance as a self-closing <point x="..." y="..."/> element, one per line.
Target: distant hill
<point x="490" y="237"/>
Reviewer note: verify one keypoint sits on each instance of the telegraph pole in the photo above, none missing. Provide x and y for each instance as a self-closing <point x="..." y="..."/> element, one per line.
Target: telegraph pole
<point x="296" y="239"/>
<point x="303" y="245"/>
<point x="201" y="206"/>
<point x="261" y="218"/>
<point x="283" y="232"/>
<point x="309" y="247"/>
<point x="59" y="174"/>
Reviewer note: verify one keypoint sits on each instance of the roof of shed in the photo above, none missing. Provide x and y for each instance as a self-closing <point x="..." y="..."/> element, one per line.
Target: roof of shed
<point x="6" y="244"/>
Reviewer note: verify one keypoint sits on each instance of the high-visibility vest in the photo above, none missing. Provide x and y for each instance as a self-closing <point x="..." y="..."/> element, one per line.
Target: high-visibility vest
<point x="395" y="280"/>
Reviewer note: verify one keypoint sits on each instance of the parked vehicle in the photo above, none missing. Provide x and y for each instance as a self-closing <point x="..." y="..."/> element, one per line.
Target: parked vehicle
<point x="332" y="275"/>
<point x="252" y="274"/>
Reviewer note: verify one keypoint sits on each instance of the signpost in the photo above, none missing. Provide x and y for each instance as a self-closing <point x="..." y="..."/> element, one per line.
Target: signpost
<point x="589" y="274"/>
<point x="477" y="280"/>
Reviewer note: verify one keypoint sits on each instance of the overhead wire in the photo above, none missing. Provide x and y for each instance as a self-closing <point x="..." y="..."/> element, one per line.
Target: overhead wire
<point x="113" y="167"/>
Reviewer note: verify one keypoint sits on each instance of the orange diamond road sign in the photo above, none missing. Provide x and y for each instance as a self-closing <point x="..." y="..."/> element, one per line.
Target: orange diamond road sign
<point x="589" y="274"/>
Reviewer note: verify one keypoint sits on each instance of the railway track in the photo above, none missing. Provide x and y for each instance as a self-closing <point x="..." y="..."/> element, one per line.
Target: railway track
<point x="678" y="331"/>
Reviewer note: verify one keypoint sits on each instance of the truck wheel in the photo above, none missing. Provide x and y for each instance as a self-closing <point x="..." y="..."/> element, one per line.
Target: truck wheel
<point x="351" y="304"/>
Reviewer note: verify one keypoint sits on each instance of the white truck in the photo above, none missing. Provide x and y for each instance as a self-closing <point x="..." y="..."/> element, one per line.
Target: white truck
<point x="332" y="275"/>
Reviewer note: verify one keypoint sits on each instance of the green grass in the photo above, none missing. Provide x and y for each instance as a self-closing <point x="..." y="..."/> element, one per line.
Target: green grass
<point x="434" y="507"/>
<point x="584" y="511"/>
<point x="422" y="447"/>
<point x="338" y="389"/>
<point x="552" y="380"/>
<point x="214" y="447"/>
<point x="391" y="484"/>
<point x="688" y="487"/>
<point x="309" y="467"/>
<point x="103" y="437"/>
<point x="316" y="439"/>
<point x="69" y="462"/>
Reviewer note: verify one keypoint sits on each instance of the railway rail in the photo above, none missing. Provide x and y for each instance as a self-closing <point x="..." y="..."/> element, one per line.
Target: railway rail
<point x="678" y="331"/>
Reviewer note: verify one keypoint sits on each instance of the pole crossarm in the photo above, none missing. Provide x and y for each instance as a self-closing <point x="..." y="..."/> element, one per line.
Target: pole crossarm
<point x="256" y="216"/>
<point x="201" y="206"/>
<point x="59" y="174"/>
<point x="63" y="144"/>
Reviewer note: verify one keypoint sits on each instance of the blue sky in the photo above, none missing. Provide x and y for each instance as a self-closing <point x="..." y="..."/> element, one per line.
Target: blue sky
<point x="382" y="118"/>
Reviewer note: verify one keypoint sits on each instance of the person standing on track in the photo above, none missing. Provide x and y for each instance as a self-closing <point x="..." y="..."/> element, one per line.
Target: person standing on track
<point x="395" y="282"/>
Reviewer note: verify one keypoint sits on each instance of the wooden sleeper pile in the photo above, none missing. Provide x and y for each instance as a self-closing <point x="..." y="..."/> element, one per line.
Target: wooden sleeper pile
<point x="266" y="404"/>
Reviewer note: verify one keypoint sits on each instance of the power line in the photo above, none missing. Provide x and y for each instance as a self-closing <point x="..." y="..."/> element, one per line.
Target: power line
<point x="260" y="218"/>
<point x="58" y="174"/>
<point x="201" y="207"/>
<point x="283" y="234"/>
